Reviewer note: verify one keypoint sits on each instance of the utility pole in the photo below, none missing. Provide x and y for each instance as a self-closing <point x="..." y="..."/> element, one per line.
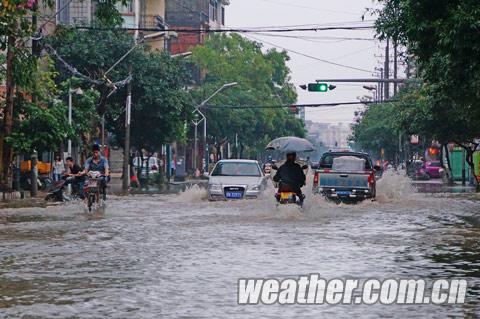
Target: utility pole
<point x="395" y="67"/>
<point x="196" y="122"/>
<point x="128" y="107"/>
<point x="126" y="150"/>
<point x="382" y="85"/>
<point x="387" y="70"/>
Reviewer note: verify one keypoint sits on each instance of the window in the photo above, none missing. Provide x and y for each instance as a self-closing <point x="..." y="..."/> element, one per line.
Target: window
<point x="236" y="169"/>
<point x="213" y="10"/>
<point x="327" y="160"/>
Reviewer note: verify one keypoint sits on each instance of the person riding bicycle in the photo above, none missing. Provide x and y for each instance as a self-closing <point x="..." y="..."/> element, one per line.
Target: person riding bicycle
<point x="98" y="163"/>
<point x="291" y="174"/>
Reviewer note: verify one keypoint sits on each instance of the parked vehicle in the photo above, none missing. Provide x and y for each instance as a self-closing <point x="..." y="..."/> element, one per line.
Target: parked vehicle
<point x="345" y="175"/>
<point x="236" y="179"/>
<point x="151" y="167"/>
<point x="416" y="171"/>
<point x="56" y="192"/>
<point x="434" y="169"/>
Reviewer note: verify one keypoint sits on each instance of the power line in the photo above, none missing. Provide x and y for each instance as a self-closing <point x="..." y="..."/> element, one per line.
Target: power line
<point x="234" y="30"/>
<point x="312" y="38"/>
<point x="306" y="7"/>
<point x="310" y="56"/>
<point x="316" y="105"/>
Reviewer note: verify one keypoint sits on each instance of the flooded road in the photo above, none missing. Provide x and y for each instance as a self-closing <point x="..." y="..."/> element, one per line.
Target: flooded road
<point x="180" y="256"/>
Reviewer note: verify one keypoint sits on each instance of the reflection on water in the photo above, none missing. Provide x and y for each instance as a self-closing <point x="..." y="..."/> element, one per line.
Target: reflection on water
<point x="180" y="256"/>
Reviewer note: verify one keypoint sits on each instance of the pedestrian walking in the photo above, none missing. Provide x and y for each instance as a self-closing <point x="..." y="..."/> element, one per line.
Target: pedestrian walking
<point x="58" y="168"/>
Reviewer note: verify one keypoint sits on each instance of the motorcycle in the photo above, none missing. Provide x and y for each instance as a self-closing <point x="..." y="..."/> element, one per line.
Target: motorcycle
<point x="95" y="189"/>
<point x="56" y="192"/>
<point x="286" y="195"/>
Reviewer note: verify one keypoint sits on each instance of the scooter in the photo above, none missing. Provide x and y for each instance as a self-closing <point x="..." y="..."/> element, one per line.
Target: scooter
<point x="57" y="190"/>
<point x="285" y="195"/>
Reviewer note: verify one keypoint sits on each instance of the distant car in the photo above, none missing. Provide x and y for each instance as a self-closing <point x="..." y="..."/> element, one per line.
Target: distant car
<point x="236" y="179"/>
<point x="416" y="170"/>
<point x="434" y="169"/>
<point x="152" y="165"/>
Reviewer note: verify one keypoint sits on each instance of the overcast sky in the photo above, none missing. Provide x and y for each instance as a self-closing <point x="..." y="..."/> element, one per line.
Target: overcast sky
<point x="362" y="54"/>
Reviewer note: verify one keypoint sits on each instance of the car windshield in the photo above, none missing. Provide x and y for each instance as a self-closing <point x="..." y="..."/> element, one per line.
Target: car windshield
<point x="236" y="169"/>
<point x="435" y="164"/>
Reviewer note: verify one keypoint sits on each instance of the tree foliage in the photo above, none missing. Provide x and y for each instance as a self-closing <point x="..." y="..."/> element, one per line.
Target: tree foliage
<point x="263" y="80"/>
<point x="443" y="36"/>
<point x="159" y="105"/>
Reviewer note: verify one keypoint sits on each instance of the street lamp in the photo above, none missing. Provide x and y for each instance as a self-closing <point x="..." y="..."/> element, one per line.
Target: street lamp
<point x="77" y="91"/>
<point x="204" y="118"/>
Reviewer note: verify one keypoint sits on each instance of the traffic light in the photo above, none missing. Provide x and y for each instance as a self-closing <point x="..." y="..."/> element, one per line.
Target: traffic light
<point x="318" y="87"/>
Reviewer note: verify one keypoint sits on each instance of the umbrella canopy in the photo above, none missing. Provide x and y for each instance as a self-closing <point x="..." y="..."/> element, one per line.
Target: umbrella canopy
<point x="288" y="144"/>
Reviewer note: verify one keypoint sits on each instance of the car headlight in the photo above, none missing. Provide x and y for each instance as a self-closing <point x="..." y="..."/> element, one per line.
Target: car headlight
<point x="255" y="187"/>
<point x="215" y="187"/>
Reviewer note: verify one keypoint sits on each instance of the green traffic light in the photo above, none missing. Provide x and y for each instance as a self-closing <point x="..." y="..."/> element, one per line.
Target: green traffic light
<point x="318" y="87"/>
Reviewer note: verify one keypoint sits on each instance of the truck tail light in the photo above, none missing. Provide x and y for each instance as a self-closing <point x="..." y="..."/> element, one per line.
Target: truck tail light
<point x="371" y="179"/>
<point x="316" y="177"/>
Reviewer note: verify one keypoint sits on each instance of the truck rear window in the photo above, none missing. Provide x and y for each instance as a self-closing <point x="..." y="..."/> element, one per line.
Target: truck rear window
<point x="327" y="160"/>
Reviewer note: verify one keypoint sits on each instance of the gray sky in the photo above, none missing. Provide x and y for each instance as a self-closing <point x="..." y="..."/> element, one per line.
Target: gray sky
<point x="359" y="53"/>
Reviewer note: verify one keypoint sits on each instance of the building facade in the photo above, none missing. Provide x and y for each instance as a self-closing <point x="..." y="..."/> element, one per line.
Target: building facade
<point x="193" y="16"/>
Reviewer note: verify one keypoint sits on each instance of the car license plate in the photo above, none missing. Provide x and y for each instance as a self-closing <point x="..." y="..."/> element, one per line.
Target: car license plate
<point x="234" y="194"/>
<point x="343" y="193"/>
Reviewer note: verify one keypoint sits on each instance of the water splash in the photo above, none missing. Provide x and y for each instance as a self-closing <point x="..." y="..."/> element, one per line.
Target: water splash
<point x="394" y="187"/>
<point x="192" y="194"/>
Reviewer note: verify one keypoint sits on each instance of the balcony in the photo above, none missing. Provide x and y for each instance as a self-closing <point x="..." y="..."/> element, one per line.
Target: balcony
<point x="147" y="21"/>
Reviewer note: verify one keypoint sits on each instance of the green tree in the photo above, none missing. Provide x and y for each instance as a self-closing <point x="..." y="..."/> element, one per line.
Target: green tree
<point x="375" y="129"/>
<point x="159" y="107"/>
<point x="443" y="37"/>
<point x="263" y="80"/>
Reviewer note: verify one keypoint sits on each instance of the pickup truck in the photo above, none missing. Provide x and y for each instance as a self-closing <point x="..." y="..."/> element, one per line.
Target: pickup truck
<point x="345" y="175"/>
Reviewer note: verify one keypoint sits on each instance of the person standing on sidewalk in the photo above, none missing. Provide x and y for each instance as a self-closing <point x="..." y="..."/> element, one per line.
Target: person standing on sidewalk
<point x="58" y="168"/>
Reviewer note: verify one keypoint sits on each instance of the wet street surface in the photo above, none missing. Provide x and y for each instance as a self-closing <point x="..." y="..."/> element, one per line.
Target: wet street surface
<point x="180" y="256"/>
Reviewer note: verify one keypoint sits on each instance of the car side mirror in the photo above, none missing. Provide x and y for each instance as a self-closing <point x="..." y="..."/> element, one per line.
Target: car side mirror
<point x="377" y="168"/>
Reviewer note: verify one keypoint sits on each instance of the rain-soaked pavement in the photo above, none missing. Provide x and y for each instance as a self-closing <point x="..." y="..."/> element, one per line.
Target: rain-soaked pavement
<point x="180" y="256"/>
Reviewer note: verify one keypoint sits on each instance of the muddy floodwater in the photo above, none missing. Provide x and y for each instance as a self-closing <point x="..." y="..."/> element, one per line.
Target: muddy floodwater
<point x="180" y="256"/>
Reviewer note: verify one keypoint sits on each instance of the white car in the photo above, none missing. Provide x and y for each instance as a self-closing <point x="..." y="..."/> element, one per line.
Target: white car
<point x="236" y="179"/>
<point x="153" y="165"/>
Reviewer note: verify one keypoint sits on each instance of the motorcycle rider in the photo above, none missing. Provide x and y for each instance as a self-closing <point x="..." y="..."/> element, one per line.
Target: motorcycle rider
<point x="291" y="174"/>
<point x="98" y="163"/>
<point x="78" y="175"/>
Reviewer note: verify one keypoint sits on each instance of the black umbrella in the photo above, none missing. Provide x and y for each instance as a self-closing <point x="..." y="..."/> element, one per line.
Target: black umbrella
<point x="288" y="144"/>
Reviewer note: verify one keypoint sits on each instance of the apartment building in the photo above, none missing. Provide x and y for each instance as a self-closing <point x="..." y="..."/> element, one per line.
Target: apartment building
<point x="193" y="15"/>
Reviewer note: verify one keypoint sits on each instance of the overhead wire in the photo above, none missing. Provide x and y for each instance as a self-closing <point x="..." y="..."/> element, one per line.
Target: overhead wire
<point x="310" y="56"/>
